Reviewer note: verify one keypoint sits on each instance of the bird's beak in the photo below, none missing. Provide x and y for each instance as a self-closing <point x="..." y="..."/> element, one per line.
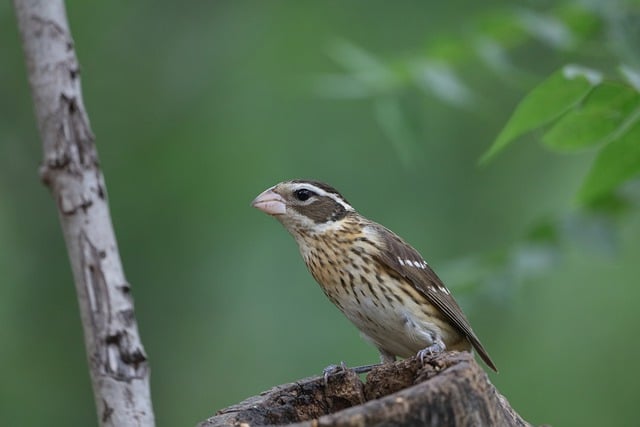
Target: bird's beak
<point x="270" y="202"/>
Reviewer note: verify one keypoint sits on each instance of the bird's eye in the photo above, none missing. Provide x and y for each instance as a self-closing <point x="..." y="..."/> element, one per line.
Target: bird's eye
<point x="303" y="194"/>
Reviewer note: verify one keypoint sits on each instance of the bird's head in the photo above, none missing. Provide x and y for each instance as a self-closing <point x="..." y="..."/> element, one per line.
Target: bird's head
<point x="303" y="207"/>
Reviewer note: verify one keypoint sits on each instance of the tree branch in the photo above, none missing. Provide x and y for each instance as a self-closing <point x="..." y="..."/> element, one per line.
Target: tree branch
<point x="449" y="390"/>
<point x="70" y="168"/>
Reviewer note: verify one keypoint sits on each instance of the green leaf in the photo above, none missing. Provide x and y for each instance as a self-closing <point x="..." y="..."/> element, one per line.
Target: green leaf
<point x="596" y="120"/>
<point x="548" y="101"/>
<point x="617" y="162"/>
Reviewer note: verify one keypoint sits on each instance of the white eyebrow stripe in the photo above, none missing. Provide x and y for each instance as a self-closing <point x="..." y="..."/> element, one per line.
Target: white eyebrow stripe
<point x="319" y="191"/>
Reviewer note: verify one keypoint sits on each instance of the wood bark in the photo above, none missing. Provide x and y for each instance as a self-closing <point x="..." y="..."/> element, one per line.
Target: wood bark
<point x="448" y="390"/>
<point x="70" y="168"/>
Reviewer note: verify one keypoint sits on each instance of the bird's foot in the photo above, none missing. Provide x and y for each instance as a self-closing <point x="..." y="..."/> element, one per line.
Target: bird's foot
<point x="333" y="370"/>
<point x="435" y="348"/>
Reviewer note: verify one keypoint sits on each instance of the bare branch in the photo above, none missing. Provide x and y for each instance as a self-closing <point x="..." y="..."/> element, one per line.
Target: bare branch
<point x="70" y="168"/>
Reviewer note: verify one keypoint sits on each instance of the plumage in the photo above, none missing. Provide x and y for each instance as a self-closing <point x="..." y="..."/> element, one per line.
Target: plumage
<point x="381" y="283"/>
<point x="424" y="279"/>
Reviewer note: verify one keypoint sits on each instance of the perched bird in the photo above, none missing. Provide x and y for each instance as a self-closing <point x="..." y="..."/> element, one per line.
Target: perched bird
<point x="374" y="277"/>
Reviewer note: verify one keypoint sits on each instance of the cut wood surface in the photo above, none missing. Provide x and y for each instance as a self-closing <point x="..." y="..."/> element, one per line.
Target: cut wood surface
<point x="450" y="389"/>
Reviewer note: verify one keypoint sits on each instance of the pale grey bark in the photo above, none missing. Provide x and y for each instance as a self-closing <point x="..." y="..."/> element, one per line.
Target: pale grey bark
<point x="70" y="168"/>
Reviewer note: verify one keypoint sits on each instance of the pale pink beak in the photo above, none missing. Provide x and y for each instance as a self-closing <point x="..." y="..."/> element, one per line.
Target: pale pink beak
<point x="270" y="202"/>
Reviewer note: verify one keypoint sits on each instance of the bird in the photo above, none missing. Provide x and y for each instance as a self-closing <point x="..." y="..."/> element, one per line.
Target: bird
<point x="374" y="277"/>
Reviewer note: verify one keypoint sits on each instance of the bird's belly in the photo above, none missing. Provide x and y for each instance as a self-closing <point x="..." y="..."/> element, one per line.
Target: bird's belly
<point x="392" y="315"/>
<point x="399" y="327"/>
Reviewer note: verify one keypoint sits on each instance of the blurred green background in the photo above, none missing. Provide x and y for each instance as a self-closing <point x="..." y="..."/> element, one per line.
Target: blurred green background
<point x="199" y="106"/>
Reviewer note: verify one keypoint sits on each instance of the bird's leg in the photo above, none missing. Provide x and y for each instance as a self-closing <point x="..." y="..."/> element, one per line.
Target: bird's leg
<point x="385" y="357"/>
<point x="435" y="348"/>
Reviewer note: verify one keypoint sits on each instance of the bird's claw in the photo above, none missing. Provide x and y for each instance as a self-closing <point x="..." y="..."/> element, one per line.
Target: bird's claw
<point x="435" y="348"/>
<point x="332" y="370"/>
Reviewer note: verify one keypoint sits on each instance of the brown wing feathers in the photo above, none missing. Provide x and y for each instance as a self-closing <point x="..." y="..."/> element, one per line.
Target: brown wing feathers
<point x="406" y="261"/>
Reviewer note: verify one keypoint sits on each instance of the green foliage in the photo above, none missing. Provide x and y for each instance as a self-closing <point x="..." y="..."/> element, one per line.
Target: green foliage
<point x="581" y="29"/>
<point x="577" y="108"/>
<point x="600" y="117"/>
<point x="580" y="109"/>
<point x="617" y="162"/>
<point x="551" y="100"/>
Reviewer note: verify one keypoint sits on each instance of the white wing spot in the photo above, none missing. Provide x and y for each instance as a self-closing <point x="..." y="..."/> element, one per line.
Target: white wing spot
<point x="418" y="264"/>
<point x="411" y="263"/>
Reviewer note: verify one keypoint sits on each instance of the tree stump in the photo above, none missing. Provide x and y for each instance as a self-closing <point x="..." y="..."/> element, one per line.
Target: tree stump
<point x="450" y="389"/>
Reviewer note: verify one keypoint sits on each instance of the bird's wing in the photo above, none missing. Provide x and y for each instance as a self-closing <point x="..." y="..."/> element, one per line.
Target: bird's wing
<point x="399" y="256"/>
